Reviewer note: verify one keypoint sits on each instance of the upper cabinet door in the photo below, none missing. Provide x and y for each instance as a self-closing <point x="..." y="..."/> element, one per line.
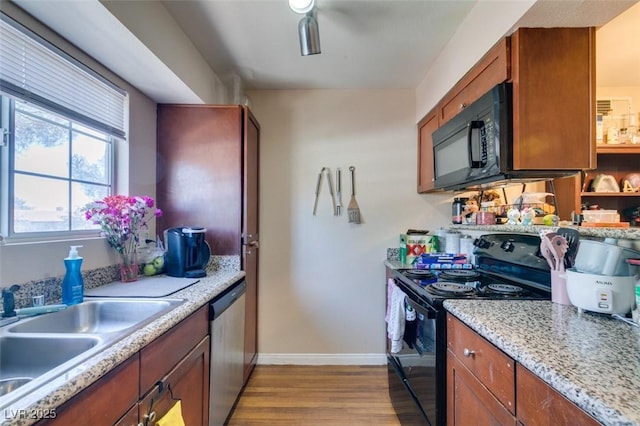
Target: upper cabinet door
<point x="426" y="127"/>
<point x="553" y="72"/>
<point x="251" y="177"/>
<point x="491" y="70"/>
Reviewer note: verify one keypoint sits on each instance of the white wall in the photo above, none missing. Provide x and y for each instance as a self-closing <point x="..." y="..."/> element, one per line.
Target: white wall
<point x="322" y="278"/>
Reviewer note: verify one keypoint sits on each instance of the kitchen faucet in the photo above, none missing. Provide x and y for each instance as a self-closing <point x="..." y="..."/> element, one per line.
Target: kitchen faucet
<point x="8" y="301"/>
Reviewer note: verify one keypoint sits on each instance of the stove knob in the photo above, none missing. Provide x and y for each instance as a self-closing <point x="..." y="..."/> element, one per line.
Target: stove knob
<point x="507" y="246"/>
<point x="482" y="243"/>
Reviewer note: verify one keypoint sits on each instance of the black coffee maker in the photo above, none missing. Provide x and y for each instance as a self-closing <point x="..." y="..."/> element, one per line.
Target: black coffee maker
<point x="187" y="251"/>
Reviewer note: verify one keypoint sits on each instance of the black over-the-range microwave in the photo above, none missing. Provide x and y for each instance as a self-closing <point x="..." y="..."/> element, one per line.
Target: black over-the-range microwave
<point x="473" y="150"/>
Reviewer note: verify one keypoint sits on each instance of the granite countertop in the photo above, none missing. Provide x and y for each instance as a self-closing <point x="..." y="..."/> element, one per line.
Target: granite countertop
<point x="591" y="359"/>
<point x="51" y="395"/>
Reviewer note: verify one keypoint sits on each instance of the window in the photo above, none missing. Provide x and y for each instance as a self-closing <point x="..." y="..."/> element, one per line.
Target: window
<point x="59" y="123"/>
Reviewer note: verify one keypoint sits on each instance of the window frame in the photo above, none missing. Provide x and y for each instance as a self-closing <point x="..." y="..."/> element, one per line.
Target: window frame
<point x="9" y="91"/>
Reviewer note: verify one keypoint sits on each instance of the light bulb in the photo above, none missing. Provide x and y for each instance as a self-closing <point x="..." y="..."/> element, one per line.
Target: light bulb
<point x="301" y="6"/>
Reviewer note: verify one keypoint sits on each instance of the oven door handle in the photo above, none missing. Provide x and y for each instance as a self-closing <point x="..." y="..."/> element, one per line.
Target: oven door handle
<point x="420" y="309"/>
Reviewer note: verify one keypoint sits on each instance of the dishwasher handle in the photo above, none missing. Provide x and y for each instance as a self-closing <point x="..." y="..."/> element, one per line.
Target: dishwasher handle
<point x="226" y="299"/>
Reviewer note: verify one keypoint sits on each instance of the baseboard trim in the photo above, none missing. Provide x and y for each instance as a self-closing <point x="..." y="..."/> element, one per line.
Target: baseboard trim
<point x="321" y="359"/>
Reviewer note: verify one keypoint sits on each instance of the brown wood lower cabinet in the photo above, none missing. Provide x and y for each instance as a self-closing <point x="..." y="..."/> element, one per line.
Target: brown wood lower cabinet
<point x="174" y="366"/>
<point x="486" y="387"/>
<point x="540" y="405"/>
<point x="469" y="402"/>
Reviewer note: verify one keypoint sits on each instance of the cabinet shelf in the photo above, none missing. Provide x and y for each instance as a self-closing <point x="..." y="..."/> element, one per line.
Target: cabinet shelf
<point x="610" y="194"/>
<point x="618" y="149"/>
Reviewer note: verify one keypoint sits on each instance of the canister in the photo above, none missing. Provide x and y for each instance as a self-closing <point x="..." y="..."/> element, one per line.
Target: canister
<point x="466" y="247"/>
<point x="452" y="242"/>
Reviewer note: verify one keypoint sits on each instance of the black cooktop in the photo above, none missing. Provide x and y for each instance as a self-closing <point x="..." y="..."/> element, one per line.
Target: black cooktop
<point x="507" y="266"/>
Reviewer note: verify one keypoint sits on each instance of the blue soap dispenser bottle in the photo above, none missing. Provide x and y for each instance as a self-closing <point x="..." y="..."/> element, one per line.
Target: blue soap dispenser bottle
<point x="72" y="284"/>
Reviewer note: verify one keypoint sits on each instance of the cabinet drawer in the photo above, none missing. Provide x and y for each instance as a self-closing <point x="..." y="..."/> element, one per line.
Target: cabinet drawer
<point x="469" y="402"/>
<point x="161" y="355"/>
<point x="540" y="405"/>
<point x="491" y="366"/>
<point x="494" y="68"/>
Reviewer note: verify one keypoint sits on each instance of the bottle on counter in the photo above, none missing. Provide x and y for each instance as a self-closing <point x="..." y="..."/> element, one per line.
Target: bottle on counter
<point x="72" y="284"/>
<point x="456" y="210"/>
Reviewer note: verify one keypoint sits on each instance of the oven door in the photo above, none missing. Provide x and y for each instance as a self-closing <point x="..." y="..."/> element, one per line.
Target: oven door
<point x="412" y="371"/>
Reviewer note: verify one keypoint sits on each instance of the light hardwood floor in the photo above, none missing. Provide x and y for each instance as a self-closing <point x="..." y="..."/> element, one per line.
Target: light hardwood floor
<point x="315" y="395"/>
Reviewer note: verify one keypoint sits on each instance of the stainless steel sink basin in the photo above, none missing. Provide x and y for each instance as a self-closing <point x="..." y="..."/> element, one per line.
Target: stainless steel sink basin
<point x="24" y="358"/>
<point x="97" y="316"/>
<point x="35" y="351"/>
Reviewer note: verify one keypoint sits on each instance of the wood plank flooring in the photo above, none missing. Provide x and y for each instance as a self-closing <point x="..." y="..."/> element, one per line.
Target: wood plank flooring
<point x="315" y="395"/>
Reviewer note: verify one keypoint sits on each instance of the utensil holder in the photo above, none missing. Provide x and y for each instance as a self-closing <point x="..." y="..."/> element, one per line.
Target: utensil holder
<point x="559" y="288"/>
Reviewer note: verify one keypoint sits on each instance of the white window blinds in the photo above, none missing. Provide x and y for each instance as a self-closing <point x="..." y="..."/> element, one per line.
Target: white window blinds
<point x="36" y="71"/>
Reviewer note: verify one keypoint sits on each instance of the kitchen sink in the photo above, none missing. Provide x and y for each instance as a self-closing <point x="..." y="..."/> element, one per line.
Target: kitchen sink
<point x="35" y="351"/>
<point x="97" y="316"/>
<point x="24" y="358"/>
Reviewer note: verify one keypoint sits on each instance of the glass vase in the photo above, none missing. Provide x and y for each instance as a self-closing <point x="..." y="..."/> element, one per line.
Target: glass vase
<point x="129" y="267"/>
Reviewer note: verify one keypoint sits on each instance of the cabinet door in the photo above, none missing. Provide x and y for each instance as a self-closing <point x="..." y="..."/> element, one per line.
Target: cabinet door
<point x="187" y="382"/>
<point x="92" y="407"/>
<point x="426" y="176"/>
<point x="251" y="317"/>
<point x="553" y="72"/>
<point x="540" y="405"/>
<point x="469" y="402"/>
<point x="199" y="171"/>
<point x="492" y="69"/>
<point x="490" y="365"/>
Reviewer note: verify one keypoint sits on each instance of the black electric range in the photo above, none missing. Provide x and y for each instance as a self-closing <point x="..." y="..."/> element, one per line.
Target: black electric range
<point x="507" y="266"/>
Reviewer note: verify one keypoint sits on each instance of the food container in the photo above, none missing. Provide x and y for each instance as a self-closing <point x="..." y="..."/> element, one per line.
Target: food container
<point x="609" y="216"/>
<point x="601" y="293"/>
<point x="485" y="218"/>
<point x="594" y="257"/>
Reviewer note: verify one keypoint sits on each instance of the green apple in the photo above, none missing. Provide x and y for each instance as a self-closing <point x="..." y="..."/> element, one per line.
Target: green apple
<point x="158" y="262"/>
<point x="149" y="269"/>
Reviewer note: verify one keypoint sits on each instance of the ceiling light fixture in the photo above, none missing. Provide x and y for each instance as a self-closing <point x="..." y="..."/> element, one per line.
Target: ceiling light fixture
<point x="307" y="27"/>
<point x="301" y="6"/>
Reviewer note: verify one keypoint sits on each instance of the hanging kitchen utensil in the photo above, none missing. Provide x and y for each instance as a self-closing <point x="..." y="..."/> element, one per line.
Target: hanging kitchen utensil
<point x="315" y="203"/>
<point x="559" y="246"/>
<point x="573" y="240"/>
<point x="338" y="191"/>
<point x="545" y="251"/>
<point x="333" y="199"/>
<point x="352" y="209"/>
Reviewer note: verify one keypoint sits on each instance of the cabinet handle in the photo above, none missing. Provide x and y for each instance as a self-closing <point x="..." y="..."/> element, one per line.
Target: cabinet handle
<point x="148" y="418"/>
<point x="463" y="105"/>
<point x="468" y="353"/>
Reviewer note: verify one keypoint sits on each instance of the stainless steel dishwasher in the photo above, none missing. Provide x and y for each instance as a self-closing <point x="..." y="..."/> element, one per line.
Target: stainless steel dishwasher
<point x="227" y="352"/>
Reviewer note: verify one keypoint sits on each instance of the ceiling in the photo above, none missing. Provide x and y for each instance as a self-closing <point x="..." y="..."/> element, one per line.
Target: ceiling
<point x="365" y="43"/>
<point x="368" y="44"/>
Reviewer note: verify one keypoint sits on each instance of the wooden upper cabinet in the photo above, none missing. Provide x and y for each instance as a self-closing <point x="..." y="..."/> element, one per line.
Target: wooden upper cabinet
<point x="426" y="126"/>
<point x="553" y="76"/>
<point x="492" y="69"/>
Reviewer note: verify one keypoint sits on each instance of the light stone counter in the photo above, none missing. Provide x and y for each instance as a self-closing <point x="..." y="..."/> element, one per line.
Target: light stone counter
<point x="591" y="359"/>
<point x="47" y="398"/>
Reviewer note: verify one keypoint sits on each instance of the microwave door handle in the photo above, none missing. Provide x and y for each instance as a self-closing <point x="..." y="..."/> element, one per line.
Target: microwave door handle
<point x="475" y="124"/>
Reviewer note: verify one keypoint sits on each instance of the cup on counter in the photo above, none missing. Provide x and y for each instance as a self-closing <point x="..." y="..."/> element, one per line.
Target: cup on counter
<point x="559" y="287"/>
